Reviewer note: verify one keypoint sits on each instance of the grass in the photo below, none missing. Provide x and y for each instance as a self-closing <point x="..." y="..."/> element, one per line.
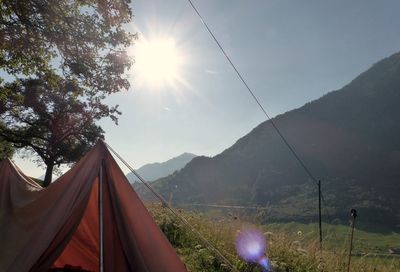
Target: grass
<point x="291" y="247"/>
<point x="336" y="237"/>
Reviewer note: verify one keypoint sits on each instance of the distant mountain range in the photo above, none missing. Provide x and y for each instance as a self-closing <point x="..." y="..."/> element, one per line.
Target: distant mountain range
<point x="153" y="171"/>
<point x="349" y="138"/>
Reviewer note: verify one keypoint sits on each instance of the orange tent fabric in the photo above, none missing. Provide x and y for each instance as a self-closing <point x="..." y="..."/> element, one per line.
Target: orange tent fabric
<point x="46" y="228"/>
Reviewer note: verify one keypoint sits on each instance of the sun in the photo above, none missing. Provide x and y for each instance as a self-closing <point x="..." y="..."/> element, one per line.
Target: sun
<point x="158" y="63"/>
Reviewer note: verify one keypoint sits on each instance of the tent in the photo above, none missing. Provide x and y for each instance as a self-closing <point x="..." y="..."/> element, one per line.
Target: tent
<point x="89" y="219"/>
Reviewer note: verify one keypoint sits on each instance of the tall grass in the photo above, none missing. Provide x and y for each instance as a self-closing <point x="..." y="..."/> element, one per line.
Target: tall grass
<point x="286" y="251"/>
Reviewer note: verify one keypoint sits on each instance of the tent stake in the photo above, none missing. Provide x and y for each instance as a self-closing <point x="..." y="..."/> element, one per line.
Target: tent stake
<point x="354" y="215"/>
<point x="319" y="215"/>
<point x="101" y="228"/>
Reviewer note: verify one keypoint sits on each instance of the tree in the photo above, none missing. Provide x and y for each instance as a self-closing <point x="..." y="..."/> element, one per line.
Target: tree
<point x="59" y="59"/>
<point x="47" y="116"/>
<point x="6" y="149"/>
<point x="82" y="40"/>
<point x="85" y="39"/>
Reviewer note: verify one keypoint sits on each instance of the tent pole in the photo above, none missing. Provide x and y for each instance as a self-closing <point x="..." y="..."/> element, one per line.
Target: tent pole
<point x="101" y="227"/>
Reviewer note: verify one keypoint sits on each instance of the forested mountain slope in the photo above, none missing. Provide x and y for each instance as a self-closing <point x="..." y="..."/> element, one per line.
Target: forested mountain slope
<point x="349" y="138"/>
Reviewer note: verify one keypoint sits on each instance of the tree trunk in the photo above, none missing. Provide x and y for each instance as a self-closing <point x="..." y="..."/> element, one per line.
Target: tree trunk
<point x="49" y="175"/>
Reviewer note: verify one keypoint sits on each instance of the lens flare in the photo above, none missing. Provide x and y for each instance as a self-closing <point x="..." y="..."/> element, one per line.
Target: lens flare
<point x="265" y="263"/>
<point x="251" y="246"/>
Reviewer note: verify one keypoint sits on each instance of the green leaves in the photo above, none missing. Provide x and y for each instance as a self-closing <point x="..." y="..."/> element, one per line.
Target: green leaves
<point x="48" y="115"/>
<point x="65" y="57"/>
<point x="76" y="37"/>
<point x="6" y="149"/>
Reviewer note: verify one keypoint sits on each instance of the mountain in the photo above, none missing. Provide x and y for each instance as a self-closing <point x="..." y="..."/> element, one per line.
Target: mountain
<point x="153" y="171"/>
<point x="349" y="138"/>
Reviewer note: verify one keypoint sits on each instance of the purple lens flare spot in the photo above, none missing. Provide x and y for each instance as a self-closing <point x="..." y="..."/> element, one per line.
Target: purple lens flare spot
<point x="265" y="263"/>
<point x="251" y="245"/>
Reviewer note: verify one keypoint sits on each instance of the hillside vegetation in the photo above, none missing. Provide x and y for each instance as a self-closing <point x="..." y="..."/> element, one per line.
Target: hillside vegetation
<point x="348" y="138"/>
<point x="288" y="250"/>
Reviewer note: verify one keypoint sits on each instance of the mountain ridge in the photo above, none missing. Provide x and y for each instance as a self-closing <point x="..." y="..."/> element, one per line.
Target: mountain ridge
<point x="348" y="138"/>
<point x="156" y="170"/>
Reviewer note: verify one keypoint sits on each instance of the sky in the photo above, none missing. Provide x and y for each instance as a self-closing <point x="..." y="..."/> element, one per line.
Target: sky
<point x="289" y="52"/>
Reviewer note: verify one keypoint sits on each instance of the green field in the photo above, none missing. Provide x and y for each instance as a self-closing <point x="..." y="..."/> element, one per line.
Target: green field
<point x="291" y="246"/>
<point x="336" y="237"/>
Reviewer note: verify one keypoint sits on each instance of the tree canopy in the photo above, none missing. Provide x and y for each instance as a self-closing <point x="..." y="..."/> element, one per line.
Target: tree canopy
<point x="47" y="116"/>
<point x="6" y="149"/>
<point x="84" y="40"/>
<point x="58" y="62"/>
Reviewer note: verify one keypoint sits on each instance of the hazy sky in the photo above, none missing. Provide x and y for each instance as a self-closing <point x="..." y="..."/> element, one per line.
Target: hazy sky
<point x="290" y="52"/>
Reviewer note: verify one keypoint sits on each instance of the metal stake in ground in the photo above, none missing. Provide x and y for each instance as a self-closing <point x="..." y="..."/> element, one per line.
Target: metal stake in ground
<point x="319" y="215"/>
<point x="353" y="213"/>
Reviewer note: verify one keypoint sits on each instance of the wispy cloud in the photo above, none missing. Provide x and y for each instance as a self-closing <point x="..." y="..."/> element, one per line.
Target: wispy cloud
<point x="211" y="72"/>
